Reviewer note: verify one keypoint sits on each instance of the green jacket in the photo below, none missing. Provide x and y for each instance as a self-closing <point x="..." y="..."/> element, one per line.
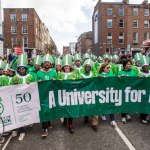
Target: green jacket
<point x="67" y="76"/>
<point x="3" y="80"/>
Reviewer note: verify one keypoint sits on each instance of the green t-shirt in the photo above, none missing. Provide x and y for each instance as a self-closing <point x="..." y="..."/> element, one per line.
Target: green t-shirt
<point x="130" y="73"/>
<point x="3" y="80"/>
<point x="34" y="74"/>
<point x="30" y="68"/>
<point x="49" y="75"/>
<point x="109" y="74"/>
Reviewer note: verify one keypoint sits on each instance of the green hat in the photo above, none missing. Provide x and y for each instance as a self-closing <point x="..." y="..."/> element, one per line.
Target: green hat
<point x="137" y="56"/>
<point x="77" y="57"/>
<point x="22" y="60"/>
<point x="37" y="60"/>
<point x="99" y="58"/>
<point x="49" y="58"/>
<point x="86" y="56"/>
<point x="6" y="67"/>
<point x="111" y="57"/>
<point x="88" y="62"/>
<point x="115" y="57"/>
<point x="67" y="60"/>
<point x="106" y="56"/>
<point x="58" y="61"/>
<point x="13" y="65"/>
<point x="144" y="61"/>
<point x="2" y="64"/>
<point x="94" y="57"/>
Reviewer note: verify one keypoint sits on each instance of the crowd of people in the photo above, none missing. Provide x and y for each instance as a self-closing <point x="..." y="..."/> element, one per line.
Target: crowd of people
<point x="71" y="67"/>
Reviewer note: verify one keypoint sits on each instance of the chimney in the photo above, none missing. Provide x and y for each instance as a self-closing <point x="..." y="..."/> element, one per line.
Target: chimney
<point x="145" y="2"/>
<point x="125" y="1"/>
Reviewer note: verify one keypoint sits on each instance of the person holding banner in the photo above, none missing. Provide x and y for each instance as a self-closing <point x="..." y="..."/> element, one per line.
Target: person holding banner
<point x="3" y="78"/>
<point x="46" y="73"/>
<point x="30" y="66"/>
<point x="58" y="65"/>
<point x="87" y="73"/>
<point x="22" y="77"/>
<point x="144" y="72"/>
<point x="126" y="71"/>
<point x="67" y="74"/>
<point x="105" y="72"/>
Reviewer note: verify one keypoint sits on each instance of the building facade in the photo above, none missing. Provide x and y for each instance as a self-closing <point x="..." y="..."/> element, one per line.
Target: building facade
<point x="24" y="28"/>
<point x="72" y="46"/>
<point x="120" y="27"/>
<point x="84" y="42"/>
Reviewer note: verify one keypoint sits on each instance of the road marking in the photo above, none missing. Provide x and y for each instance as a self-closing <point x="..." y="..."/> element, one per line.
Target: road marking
<point x="124" y="138"/>
<point x="8" y="141"/>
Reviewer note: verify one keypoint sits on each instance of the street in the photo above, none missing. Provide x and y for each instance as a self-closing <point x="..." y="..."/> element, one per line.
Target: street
<point x="106" y="138"/>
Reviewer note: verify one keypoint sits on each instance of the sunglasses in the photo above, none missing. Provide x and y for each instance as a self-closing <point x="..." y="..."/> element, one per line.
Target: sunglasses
<point x="107" y="67"/>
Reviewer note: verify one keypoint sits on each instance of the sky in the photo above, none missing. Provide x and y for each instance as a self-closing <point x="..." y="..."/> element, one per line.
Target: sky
<point x="65" y="19"/>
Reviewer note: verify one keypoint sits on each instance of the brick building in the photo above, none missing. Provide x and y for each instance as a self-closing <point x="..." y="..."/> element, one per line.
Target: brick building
<point x="23" y="25"/>
<point x="120" y="27"/>
<point x="84" y="42"/>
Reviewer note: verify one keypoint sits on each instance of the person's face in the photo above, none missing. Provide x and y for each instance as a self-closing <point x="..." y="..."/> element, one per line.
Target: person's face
<point x="78" y="63"/>
<point x="11" y="73"/>
<point x="115" y="61"/>
<point x="145" y="68"/>
<point x="107" y="69"/>
<point x="58" y="67"/>
<point x="67" y="68"/>
<point x="123" y="59"/>
<point x="37" y="67"/>
<point x="5" y="73"/>
<point x="87" y="68"/>
<point x="1" y="71"/>
<point x="22" y="71"/>
<point x="107" y="60"/>
<point x="128" y="66"/>
<point x="30" y="62"/>
<point x="47" y="65"/>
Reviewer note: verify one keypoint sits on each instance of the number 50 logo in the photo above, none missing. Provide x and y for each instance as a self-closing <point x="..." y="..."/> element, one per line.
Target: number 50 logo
<point x="23" y="98"/>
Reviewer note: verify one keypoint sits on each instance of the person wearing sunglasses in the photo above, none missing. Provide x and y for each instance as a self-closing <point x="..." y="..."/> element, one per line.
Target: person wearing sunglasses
<point x="21" y="77"/>
<point x="105" y="72"/>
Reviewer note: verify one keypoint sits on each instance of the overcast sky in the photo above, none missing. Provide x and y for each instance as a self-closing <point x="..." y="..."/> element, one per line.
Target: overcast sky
<point x="65" y="19"/>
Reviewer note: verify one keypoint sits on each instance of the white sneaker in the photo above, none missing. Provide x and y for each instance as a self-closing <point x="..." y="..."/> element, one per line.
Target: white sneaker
<point x="124" y="120"/>
<point x="103" y="117"/>
<point x="128" y="117"/>
<point x="144" y="121"/>
<point x="21" y="137"/>
<point x="113" y="123"/>
<point x="14" y="133"/>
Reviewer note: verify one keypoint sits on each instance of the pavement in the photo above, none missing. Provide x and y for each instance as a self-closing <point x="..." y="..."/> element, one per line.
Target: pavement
<point x="84" y="138"/>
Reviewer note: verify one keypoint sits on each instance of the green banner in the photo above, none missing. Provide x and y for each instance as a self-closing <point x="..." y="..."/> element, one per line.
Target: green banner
<point x="93" y="96"/>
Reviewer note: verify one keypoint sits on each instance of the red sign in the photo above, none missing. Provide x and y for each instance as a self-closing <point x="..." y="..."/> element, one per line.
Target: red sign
<point x="17" y="50"/>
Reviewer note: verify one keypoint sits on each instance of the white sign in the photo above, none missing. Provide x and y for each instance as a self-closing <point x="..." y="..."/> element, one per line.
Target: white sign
<point x="19" y="105"/>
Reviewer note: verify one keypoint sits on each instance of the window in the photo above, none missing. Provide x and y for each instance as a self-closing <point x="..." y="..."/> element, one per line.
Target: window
<point x="13" y="17"/>
<point x="24" y="17"/>
<point x="135" y="23"/>
<point x="135" y="37"/>
<point x="14" y="42"/>
<point x="24" y="29"/>
<point x="13" y="29"/>
<point x="109" y="34"/>
<point x="121" y="23"/>
<point x="109" y="41"/>
<point x="146" y="23"/>
<point x="135" y="11"/>
<point x="121" y="11"/>
<point x="146" y="35"/>
<point x="121" y="38"/>
<point x="109" y="11"/>
<point x="109" y="23"/>
<point x="107" y="50"/>
<point x="146" y="12"/>
<point x="25" y="42"/>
